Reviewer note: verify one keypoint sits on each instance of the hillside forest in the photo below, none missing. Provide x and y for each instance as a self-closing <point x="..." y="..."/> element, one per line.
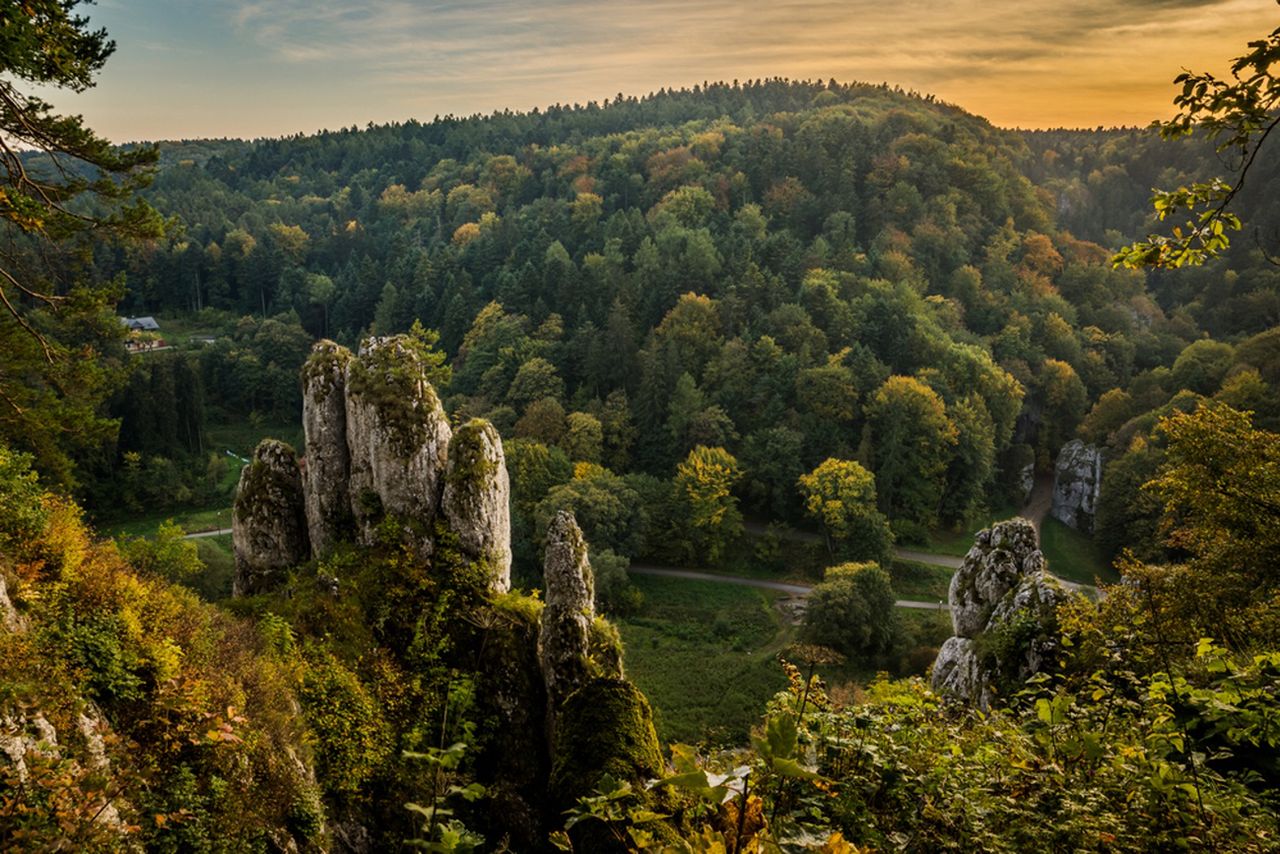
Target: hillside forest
<point x="804" y="332"/>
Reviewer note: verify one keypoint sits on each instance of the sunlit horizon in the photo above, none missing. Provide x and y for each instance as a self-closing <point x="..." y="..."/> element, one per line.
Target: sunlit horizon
<point x="234" y="68"/>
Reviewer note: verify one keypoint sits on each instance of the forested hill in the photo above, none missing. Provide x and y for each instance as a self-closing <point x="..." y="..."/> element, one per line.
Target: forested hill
<point x="788" y="271"/>
<point x="837" y="309"/>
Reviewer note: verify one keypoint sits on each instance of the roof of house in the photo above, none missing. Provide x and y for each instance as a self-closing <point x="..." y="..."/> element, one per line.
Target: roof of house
<point x="145" y="323"/>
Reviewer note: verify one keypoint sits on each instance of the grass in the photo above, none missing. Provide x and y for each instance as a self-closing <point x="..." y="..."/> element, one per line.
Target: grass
<point x="920" y="581"/>
<point x="240" y="439"/>
<point x="192" y="521"/>
<point x="957" y="543"/>
<point x="1073" y="555"/>
<point x="215" y="582"/>
<point x="705" y="655"/>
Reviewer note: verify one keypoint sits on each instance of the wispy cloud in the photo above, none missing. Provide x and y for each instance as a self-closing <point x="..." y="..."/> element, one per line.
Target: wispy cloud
<point x="316" y="63"/>
<point x="399" y="42"/>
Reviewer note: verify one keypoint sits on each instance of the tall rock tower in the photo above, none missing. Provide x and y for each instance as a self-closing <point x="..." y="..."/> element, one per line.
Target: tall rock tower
<point x="269" y="520"/>
<point x="328" y="462"/>
<point x="397" y="435"/>
<point x="477" y="497"/>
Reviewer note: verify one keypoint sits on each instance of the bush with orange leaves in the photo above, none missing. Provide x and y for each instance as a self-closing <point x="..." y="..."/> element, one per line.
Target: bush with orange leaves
<point x="196" y="741"/>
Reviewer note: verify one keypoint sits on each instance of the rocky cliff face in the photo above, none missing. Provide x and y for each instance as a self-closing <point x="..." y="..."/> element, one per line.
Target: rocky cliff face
<point x="477" y="499"/>
<point x="550" y="673"/>
<point x="268" y="522"/>
<point x="565" y="632"/>
<point x="377" y="444"/>
<point x="1003" y="613"/>
<point x="397" y="436"/>
<point x="328" y="462"/>
<point x="1077" y="481"/>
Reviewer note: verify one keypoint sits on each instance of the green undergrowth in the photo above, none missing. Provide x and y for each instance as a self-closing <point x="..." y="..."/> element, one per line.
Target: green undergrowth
<point x="214" y="583"/>
<point x="920" y="581"/>
<point x="705" y="655"/>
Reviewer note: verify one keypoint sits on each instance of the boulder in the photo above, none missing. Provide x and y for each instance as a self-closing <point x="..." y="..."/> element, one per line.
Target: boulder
<point x="327" y="460"/>
<point x="564" y="636"/>
<point x="956" y="672"/>
<point x="477" y="497"/>
<point x="397" y="435"/>
<point x="1004" y="606"/>
<point x="1077" y="482"/>
<point x="268" y="521"/>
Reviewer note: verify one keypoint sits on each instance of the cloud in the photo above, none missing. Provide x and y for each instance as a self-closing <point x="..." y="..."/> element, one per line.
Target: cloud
<point x="1020" y="62"/>
<point x="398" y="41"/>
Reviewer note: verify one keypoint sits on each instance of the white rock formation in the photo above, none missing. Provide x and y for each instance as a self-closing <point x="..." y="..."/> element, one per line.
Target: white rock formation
<point x="477" y="497"/>
<point x="327" y="460"/>
<point x="564" y="635"/>
<point x="1077" y="481"/>
<point x="1004" y="614"/>
<point x="397" y="435"/>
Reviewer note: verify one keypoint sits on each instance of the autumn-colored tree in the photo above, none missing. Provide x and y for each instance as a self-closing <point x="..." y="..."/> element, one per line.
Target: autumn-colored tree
<point x="841" y="496"/>
<point x="1220" y="484"/>
<point x="709" y="519"/>
<point x="910" y="441"/>
<point x="1063" y="399"/>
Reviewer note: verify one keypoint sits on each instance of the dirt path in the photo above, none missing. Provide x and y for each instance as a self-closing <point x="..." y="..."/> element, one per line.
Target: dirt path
<point x="216" y="532"/>
<point x="1039" y="502"/>
<point x="790" y="587"/>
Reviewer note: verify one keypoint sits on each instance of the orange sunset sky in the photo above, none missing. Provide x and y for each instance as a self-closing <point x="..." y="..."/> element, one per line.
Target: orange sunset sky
<point x="193" y="68"/>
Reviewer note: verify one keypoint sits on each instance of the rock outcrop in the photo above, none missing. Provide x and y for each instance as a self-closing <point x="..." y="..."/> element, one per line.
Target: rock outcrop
<point x="477" y="497"/>
<point x="378" y="444"/>
<point x="1003" y="614"/>
<point x="397" y="435"/>
<point x="28" y="742"/>
<point x="1027" y="481"/>
<point x="1077" y="482"/>
<point x="605" y="727"/>
<point x="564" y="637"/>
<point x="328" y="462"/>
<point x="269" y="520"/>
<point x="10" y="619"/>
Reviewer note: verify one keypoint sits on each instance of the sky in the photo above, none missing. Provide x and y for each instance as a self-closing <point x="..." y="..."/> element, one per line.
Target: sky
<point x="254" y="68"/>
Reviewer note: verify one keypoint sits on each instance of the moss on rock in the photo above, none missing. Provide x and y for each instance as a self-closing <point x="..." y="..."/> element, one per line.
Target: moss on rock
<point x="268" y="520"/>
<point x="605" y="727"/>
<point x="397" y="433"/>
<point x="477" y="498"/>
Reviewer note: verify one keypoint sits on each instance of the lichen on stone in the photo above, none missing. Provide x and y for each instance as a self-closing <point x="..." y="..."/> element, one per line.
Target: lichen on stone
<point x="1004" y="607"/>
<point x="1077" y="484"/>
<point x="477" y="497"/>
<point x="328" y="460"/>
<point x="397" y="434"/>
<point x="564" y="639"/>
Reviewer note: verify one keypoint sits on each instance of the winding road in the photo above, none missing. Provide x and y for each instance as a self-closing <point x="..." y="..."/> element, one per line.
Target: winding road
<point x="1036" y="509"/>
<point x="792" y="588"/>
